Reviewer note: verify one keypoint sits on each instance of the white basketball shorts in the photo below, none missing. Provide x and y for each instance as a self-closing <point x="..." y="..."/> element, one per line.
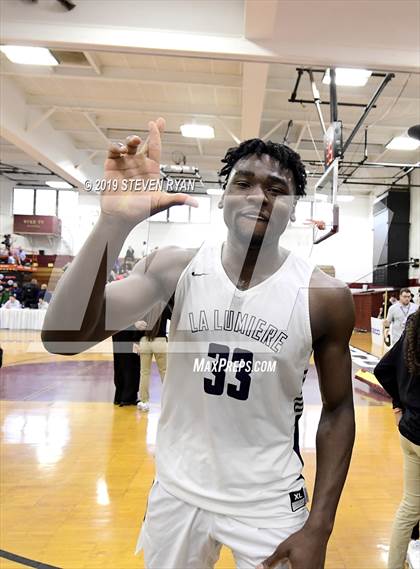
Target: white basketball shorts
<point x="176" y="535"/>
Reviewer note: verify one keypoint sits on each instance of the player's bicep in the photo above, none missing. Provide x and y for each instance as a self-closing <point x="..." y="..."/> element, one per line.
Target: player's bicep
<point x="333" y="363"/>
<point x="153" y="280"/>
<point x="128" y="300"/>
<point x="332" y="355"/>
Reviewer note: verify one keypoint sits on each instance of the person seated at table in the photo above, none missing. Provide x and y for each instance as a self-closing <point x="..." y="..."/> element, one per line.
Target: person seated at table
<point x="12" y="303"/>
<point x="44" y="294"/>
<point x="4" y="294"/>
<point x="30" y="294"/>
<point x="17" y="291"/>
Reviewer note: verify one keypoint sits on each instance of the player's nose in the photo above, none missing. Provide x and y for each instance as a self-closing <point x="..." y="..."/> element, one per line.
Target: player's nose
<point x="256" y="193"/>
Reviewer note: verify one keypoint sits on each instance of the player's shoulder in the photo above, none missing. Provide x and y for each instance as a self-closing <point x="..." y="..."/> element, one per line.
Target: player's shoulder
<point x="172" y="255"/>
<point x="325" y="285"/>
<point x="331" y="305"/>
<point x="165" y="265"/>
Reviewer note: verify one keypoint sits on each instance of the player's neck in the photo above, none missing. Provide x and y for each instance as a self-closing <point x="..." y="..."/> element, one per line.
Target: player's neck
<point x="248" y="265"/>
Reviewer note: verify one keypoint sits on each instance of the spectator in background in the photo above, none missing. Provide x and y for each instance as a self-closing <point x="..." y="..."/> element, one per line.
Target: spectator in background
<point x="144" y="249"/>
<point x="126" y="366"/>
<point x="391" y="300"/>
<point x="12" y="303"/>
<point x="4" y="294"/>
<point x="153" y="343"/>
<point x="129" y="259"/>
<point x="17" y="291"/>
<point x="44" y="294"/>
<point x="22" y="255"/>
<point x="10" y="258"/>
<point x="30" y="294"/>
<point x="398" y="314"/>
<point x="399" y="374"/>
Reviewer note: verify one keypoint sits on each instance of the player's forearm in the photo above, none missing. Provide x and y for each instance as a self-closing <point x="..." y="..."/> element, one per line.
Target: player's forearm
<point x="334" y="444"/>
<point x="78" y="300"/>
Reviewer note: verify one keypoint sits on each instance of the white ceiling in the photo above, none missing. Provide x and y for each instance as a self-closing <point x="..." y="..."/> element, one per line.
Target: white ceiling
<point x="97" y="95"/>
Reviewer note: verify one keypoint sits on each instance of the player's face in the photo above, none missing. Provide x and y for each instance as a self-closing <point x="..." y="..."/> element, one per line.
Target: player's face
<point x="259" y="199"/>
<point x="405" y="298"/>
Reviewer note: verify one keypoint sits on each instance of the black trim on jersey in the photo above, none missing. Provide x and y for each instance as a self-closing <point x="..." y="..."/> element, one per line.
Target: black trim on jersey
<point x="296" y="447"/>
<point x="298" y="408"/>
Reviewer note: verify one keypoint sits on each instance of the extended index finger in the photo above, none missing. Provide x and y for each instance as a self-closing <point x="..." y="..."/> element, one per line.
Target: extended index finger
<point x="154" y="145"/>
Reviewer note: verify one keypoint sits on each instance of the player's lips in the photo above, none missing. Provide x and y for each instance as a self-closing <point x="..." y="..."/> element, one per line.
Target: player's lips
<point x="255" y="215"/>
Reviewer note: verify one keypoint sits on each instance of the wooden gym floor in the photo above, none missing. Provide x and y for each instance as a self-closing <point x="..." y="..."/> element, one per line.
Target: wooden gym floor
<point x="76" y="470"/>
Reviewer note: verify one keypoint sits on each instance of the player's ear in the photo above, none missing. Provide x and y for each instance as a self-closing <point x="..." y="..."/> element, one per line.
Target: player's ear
<point x="293" y="212"/>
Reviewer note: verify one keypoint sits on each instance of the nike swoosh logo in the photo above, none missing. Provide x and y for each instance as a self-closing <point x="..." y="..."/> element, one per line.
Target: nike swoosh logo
<point x="194" y="274"/>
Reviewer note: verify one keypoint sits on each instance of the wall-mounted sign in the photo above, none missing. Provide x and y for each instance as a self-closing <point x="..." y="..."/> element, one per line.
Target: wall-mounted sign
<point x="37" y="225"/>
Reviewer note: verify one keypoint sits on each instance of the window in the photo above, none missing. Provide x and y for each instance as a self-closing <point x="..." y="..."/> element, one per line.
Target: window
<point x="23" y="201"/>
<point x="161" y="216"/>
<point x="46" y="202"/>
<point x="67" y="204"/>
<point x="201" y="214"/>
<point x="179" y="214"/>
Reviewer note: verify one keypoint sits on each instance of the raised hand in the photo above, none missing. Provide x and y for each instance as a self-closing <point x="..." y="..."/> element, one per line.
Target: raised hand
<point x="132" y="172"/>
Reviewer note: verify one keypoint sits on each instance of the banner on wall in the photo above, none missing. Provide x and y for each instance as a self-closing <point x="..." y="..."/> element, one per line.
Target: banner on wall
<point x="36" y="225"/>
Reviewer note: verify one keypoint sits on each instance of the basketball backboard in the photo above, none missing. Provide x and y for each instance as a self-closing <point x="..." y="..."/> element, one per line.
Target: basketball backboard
<point x="324" y="205"/>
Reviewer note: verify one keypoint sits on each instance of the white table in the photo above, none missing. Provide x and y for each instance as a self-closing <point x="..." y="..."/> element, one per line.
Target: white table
<point x="22" y="319"/>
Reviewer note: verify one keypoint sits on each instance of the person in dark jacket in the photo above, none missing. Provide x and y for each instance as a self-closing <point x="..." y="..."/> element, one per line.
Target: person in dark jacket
<point x="399" y="374"/>
<point x="126" y="366"/>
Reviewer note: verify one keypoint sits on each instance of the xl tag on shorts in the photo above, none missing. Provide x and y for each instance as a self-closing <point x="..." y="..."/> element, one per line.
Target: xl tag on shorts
<point x="297" y="499"/>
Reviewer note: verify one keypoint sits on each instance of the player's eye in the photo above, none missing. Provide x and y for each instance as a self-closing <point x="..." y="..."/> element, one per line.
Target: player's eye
<point x="242" y="184"/>
<point x="277" y="190"/>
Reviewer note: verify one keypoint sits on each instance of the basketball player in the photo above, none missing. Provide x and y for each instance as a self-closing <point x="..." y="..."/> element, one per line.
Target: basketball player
<point x="228" y="467"/>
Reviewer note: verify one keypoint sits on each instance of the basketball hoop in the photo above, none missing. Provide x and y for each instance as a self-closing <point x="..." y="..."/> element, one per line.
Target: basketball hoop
<point x="318" y="223"/>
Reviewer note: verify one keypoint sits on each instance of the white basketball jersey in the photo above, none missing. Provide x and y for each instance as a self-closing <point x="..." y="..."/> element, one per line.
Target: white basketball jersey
<point x="232" y="397"/>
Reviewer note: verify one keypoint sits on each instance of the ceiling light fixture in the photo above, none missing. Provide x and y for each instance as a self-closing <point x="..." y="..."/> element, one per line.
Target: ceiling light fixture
<point x="214" y="192"/>
<point x="347" y="77"/>
<point x="28" y="55"/>
<point x="197" y="131"/>
<point x="59" y="185"/>
<point x="403" y="143"/>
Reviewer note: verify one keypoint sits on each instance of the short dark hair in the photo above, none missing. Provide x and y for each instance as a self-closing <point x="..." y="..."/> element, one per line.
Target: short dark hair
<point x="405" y="290"/>
<point x="287" y="157"/>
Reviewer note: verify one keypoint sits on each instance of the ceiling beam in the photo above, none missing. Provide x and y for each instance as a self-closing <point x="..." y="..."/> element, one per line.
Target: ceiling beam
<point x="122" y="74"/>
<point x="208" y="33"/>
<point x="55" y="150"/>
<point x="172" y="108"/>
<point x="91" y="120"/>
<point x="260" y="16"/>
<point x="133" y="40"/>
<point x="39" y="120"/>
<point x="253" y="95"/>
<point x="94" y="62"/>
